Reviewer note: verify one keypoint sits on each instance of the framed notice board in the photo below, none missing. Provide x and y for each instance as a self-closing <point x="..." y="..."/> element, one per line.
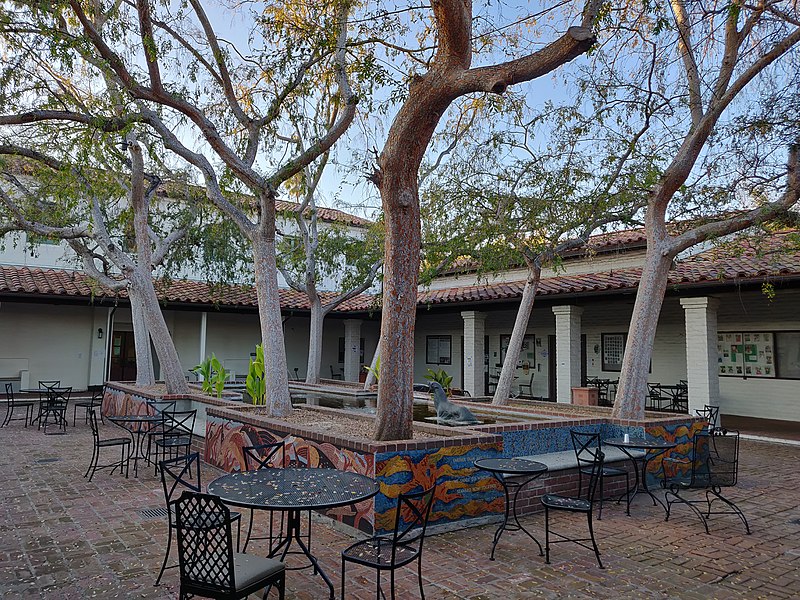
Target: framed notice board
<point x="746" y="354"/>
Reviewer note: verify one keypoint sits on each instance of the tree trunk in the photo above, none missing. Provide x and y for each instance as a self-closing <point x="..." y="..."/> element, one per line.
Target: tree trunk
<point x="632" y="390"/>
<point x="315" y="339"/>
<point x="171" y="369"/>
<point x="269" y="311"/>
<point x="503" y="390"/>
<point x="141" y="339"/>
<point x="394" y="419"/>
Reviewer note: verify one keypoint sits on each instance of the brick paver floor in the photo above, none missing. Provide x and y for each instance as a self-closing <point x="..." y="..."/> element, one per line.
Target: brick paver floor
<point x="63" y="537"/>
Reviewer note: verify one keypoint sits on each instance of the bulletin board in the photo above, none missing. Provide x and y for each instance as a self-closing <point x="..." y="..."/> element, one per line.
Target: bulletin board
<point x="746" y="354"/>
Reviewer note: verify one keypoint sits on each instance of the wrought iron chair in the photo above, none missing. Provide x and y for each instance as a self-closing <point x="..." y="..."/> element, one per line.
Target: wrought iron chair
<point x="55" y="405"/>
<point x="403" y="546"/>
<point x="586" y="446"/>
<point x="124" y="445"/>
<point x="183" y="474"/>
<point x="575" y="504"/>
<point x="335" y="375"/>
<point x="711" y="415"/>
<point x="95" y="402"/>
<point x="44" y="389"/>
<point x="159" y="407"/>
<point x="528" y="385"/>
<point x="713" y="465"/>
<point x="209" y="566"/>
<point x="267" y="456"/>
<point x="175" y="437"/>
<point x="12" y="404"/>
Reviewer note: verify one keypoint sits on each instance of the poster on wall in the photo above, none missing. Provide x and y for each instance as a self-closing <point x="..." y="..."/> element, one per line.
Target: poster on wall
<point x="746" y="354"/>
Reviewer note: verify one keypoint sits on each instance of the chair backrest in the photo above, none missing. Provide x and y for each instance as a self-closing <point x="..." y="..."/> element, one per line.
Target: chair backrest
<point x="710" y="414"/>
<point x="715" y="459"/>
<point x="59" y="395"/>
<point x="160" y="406"/>
<point x="178" y="423"/>
<point x="93" y="424"/>
<point x="10" y="393"/>
<point x="264" y="456"/>
<point x="654" y="389"/>
<point x="49" y="384"/>
<point x="205" y="543"/>
<point x="589" y="455"/>
<point x="411" y="519"/>
<point x="178" y="474"/>
<point x="98" y="392"/>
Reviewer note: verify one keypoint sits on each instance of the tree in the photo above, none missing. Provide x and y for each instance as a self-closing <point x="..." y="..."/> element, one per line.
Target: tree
<point x="81" y="206"/>
<point x="448" y="76"/>
<point x="199" y="93"/>
<point x="319" y="252"/>
<point x="714" y="66"/>
<point x="506" y="202"/>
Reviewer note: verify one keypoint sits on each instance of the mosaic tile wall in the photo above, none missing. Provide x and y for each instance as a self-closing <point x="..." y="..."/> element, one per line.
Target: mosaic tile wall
<point x="226" y="438"/>
<point x="122" y="402"/>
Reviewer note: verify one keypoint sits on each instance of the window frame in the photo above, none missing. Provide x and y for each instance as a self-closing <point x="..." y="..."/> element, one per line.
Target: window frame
<point x="439" y="361"/>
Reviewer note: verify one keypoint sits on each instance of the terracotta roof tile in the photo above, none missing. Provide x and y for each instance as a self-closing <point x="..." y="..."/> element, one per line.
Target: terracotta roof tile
<point x="770" y="259"/>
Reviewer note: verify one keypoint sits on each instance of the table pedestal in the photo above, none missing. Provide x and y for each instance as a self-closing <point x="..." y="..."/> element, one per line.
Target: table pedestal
<point x="293" y="534"/>
<point x="511" y="510"/>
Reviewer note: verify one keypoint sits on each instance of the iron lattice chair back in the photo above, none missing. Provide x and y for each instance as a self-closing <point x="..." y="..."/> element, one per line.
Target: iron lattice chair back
<point x="268" y="456"/>
<point x="388" y="553"/>
<point x="205" y="543"/>
<point x="55" y="405"/>
<point x="714" y="465"/>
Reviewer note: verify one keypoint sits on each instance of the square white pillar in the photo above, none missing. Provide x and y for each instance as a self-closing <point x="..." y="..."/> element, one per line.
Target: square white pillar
<point x="352" y="349"/>
<point x="568" y="351"/>
<point x="474" y="331"/>
<point x="702" y="360"/>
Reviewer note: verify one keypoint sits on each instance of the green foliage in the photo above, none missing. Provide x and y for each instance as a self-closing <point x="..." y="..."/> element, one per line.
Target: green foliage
<point x="441" y="377"/>
<point x="255" y="383"/>
<point x="213" y="374"/>
<point x="376" y="370"/>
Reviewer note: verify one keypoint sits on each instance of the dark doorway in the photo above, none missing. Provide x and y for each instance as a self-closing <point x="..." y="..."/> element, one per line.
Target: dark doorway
<point x="123" y="357"/>
<point x="583" y="360"/>
<point x="551" y="368"/>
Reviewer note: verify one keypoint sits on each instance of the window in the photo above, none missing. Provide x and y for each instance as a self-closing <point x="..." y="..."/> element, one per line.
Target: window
<point x="438" y="349"/>
<point x="42" y="240"/>
<point x="526" y="352"/>
<point x="748" y="354"/>
<point x="613" y="349"/>
<point x="787" y="350"/>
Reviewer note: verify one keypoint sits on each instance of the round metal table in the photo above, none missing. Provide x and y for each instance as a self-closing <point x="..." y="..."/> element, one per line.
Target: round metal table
<point x="135" y="426"/>
<point x="524" y="471"/>
<point x="294" y="490"/>
<point x="652" y="449"/>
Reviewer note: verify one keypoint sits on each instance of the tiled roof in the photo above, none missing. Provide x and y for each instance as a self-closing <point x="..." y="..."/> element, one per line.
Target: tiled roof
<point x="715" y="266"/>
<point x="326" y="214"/>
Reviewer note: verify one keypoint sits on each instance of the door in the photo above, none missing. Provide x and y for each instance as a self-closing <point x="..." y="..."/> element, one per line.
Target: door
<point x="551" y="368"/>
<point x="123" y="357"/>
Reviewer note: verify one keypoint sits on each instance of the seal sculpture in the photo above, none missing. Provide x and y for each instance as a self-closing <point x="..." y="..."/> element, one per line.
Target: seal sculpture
<point x="448" y="412"/>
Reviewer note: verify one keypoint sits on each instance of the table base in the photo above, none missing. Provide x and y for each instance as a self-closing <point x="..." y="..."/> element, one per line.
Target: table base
<point x="511" y="511"/>
<point x="640" y="485"/>
<point x="293" y="534"/>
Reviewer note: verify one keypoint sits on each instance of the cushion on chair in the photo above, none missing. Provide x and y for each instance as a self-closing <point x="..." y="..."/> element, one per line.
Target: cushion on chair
<point x="567" y="503"/>
<point x="175" y="441"/>
<point x="250" y="569"/>
<point x="114" y="442"/>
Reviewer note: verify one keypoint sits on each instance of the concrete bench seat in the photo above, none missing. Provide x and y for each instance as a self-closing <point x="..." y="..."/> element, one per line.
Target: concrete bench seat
<point x="561" y="461"/>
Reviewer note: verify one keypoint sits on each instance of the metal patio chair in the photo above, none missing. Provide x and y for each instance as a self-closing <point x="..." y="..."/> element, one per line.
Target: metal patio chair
<point x="124" y="445"/>
<point x="209" y="566"/>
<point x="528" y="386"/>
<point x="401" y="547"/>
<point x="12" y="404"/>
<point x="713" y="465"/>
<point x="267" y="456"/>
<point x="711" y="415"/>
<point x="56" y="403"/>
<point x="586" y="446"/>
<point x="575" y="504"/>
<point x="95" y="402"/>
<point x="175" y="436"/>
<point x="335" y="375"/>
<point x="180" y="475"/>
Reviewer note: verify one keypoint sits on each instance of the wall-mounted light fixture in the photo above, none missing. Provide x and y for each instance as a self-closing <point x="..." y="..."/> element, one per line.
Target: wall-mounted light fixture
<point x="99" y="333"/>
<point x="539" y="342"/>
<point x="596" y="349"/>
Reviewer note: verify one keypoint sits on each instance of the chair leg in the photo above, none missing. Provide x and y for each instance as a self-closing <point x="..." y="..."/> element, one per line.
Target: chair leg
<point x="92" y="463"/>
<point x="166" y="554"/>
<point x="594" y="543"/>
<point x="546" y="535"/>
<point x="344" y="566"/>
<point x="391" y="581"/>
<point x="250" y="531"/>
<point x="419" y="575"/>
<point x="600" y="512"/>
